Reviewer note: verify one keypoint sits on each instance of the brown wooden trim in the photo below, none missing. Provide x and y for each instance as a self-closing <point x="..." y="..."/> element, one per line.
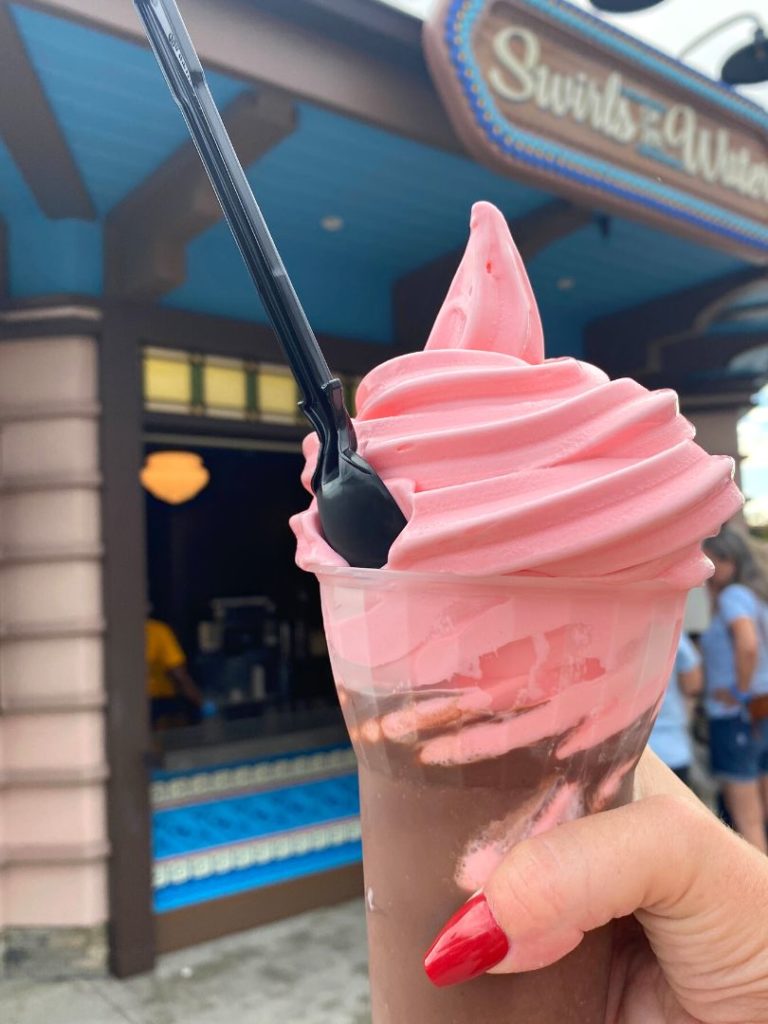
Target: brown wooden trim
<point x="418" y="295"/>
<point x="52" y="300"/>
<point x="46" y="555"/>
<point x="55" y="853"/>
<point x="50" y="482"/>
<point x="730" y="389"/>
<point x="630" y="341"/>
<point x="735" y="402"/>
<point x="236" y="37"/>
<point x="189" y="926"/>
<point x="168" y="327"/>
<point x="44" y="330"/>
<point x="49" y="411"/>
<point x="208" y="426"/>
<point x="53" y="778"/>
<point x="710" y="351"/>
<point x="62" y="704"/>
<point x="48" y="316"/>
<point x="717" y="309"/>
<point x="745" y="312"/>
<point x="243" y="339"/>
<point x="60" y="630"/>
<point x="131" y="926"/>
<point x="535" y="231"/>
<point x="29" y="128"/>
<point x="4" y="261"/>
<point x="146" y="235"/>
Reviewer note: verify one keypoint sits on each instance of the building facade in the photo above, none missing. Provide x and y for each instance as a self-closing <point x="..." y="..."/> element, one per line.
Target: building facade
<point x="128" y="327"/>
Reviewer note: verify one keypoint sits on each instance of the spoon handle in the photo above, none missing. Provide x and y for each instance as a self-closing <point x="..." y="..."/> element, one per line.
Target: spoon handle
<point x="184" y="74"/>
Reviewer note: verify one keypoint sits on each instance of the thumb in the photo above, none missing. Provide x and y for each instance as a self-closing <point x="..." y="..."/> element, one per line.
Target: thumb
<point x="552" y="889"/>
<point x="690" y="882"/>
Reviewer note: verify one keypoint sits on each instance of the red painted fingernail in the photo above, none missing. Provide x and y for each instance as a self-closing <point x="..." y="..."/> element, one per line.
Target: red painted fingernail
<point x="469" y="945"/>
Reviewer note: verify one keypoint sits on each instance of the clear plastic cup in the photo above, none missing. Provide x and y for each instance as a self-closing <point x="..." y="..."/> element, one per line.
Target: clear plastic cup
<point x="483" y="711"/>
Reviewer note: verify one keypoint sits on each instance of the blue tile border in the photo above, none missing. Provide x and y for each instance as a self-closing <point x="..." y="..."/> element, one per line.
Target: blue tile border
<point x="215" y="886"/>
<point x="241" y="826"/>
<point x="531" y="150"/>
<point x="174" y="788"/>
<point x="203" y="827"/>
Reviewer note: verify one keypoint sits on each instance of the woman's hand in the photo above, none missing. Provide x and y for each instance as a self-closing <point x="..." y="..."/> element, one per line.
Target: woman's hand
<point x="695" y="950"/>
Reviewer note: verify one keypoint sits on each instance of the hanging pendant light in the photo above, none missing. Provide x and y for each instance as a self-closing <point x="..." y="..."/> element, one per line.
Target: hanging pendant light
<point x="623" y="6"/>
<point x="174" y="476"/>
<point x="749" y="65"/>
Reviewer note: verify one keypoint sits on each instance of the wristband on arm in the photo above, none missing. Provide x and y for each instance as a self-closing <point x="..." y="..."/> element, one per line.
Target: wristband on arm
<point x="739" y="695"/>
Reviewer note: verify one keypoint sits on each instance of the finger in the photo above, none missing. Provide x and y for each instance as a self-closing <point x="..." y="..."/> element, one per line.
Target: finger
<point x="652" y="779"/>
<point x="552" y="889"/>
<point x="662" y="856"/>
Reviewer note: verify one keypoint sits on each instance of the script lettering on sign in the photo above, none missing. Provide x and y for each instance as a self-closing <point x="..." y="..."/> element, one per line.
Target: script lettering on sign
<point x="542" y="91"/>
<point x="521" y="76"/>
<point x="671" y="134"/>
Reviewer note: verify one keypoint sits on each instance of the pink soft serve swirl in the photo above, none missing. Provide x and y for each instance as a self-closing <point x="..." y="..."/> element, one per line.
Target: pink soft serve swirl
<point x="506" y="463"/>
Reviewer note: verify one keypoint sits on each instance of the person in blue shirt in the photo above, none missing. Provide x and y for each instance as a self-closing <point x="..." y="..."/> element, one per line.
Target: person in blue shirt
<point x="735" y="653"/>
<point x="671" y="738"/>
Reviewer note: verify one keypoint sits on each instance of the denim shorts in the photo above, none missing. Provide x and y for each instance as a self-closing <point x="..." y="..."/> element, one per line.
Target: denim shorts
<point x="738" y="750"/>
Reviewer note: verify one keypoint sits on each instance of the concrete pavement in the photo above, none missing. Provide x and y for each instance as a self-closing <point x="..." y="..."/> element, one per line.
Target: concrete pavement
<point x="309" y="970"/>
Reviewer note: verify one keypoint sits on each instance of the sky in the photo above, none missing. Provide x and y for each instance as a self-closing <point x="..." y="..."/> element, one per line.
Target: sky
<point x="672" y="26"/>
<point x="753" y="447"/>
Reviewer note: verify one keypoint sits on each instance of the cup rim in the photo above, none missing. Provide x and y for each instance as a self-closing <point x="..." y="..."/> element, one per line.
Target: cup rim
<point x="378" y="578"/>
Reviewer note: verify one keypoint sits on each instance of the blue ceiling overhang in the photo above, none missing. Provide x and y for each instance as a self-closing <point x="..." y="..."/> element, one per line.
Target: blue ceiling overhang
<point x="109" y="98"/>
<point x="46" y="256"/>
<point x="50" y="257"/>
<point x="401" y="204"/>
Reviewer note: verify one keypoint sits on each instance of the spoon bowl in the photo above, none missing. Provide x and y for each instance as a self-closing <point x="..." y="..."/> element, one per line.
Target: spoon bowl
<point x="359" y="517"/>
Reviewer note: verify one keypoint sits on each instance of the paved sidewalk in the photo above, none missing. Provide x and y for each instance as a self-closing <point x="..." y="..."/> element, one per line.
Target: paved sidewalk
<point x="309" y="970"/>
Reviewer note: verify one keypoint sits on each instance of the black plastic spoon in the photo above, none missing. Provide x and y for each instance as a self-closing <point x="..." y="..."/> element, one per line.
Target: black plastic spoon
<point x="359" y="516"/>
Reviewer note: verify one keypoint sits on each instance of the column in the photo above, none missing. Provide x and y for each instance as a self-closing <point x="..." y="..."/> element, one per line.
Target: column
<point x="53" y="836"/>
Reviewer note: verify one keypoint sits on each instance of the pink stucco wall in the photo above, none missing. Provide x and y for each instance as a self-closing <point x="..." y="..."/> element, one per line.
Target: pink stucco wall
<point x="53" y="841"/>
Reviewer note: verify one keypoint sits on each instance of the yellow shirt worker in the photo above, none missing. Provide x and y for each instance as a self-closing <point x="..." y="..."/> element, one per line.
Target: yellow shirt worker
<point x="169" y="684"/>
